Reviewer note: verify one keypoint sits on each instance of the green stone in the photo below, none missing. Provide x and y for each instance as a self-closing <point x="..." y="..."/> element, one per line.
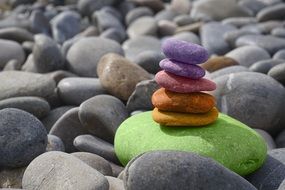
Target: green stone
<point x="228" y="141"/>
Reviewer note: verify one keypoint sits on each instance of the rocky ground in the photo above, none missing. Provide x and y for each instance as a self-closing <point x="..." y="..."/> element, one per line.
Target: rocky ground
<point x="72" y="71"/>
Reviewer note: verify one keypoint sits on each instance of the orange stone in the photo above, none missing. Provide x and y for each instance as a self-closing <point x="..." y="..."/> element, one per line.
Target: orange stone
<point x="196" y="102"/>
<point x="184" y="119"/>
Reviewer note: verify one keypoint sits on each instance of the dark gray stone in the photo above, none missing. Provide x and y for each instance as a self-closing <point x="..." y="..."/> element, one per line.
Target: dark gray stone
<point x="67" y="127"/>
<point x="95" y="145"/>
<point x="54" y="144"/>
<point x="23" y="137"/>
<point x="116" y="169"/>
<point x="54" y="115"/>
<point x="36" y="106"/>
<point x="211" y="10"/>
<point x="137" y="45"/>
<point x="261" y="107"/>
<point x="272" y="173"/>
<point x="278" y="73"/>
<point x="267" y="26"/>
<point x="228" y="70"/>
<point x="275" y="12"/>
<point x="117" y="34"/>
<point x="87" y="7"/>
<point x="141" y="97"/>
<point x="25" y="84"/>
<point x="39" y="23"/>
<point x="143" y="26"/>
<point x="16" y="34"/>
<point x="137" y="13"/>
<point x="270" y="43"/>
<point x="59" y="75"/>
<point x="105" y="20"/>
<point x="102" y="115"/>
<point x="267" y="138"/>
<point x="182" y="20"/>
<point x="262" y="66"/>
<point x="149" y="60"/>
<point x="11" y="178"/>
<point x="166" y="28"/>
<point x="280" y="54"/>
<point x="12" y="50"/>
<point x="28" y="46"/>
<point x="84" y="54"/>
<point x="212" y="37"/>
<point x="95" y="161"/>
<point x="248" y="55"/>
<point x="58" y="170"/>
<point x="65" y="26"/>
<point x="47" y="55"/>
<point x="280" y="140"/>
<point x="114" y="11"/>
<point x="173" y="169"/>
<point x="115" y="183"/>
<point x="74" y="91"/>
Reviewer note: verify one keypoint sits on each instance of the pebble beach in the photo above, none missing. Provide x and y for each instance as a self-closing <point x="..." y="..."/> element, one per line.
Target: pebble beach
<point x="142" y="94"/>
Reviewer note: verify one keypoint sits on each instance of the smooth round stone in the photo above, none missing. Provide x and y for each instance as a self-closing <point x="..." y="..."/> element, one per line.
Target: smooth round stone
<point x="181" y="69"/>
<point x="119" y="76"/>
<point x="134" y="46"/>
<point x="278" y="32"/>
<point x="95" y="145"/>
<point x="84" y="55"/>
<point x="104" y="20"/>
<point x="24" y="85"/>
<point x="117" y="34"/>
<point x="87" y="7"/>
<point x="155" y="5"/>
<point x="17" y="34"/>
<point x="196" y="102"/>
<point x="188" y="37"/>
<point x="181" y="6"/>
<point x="169" y="166"/>
<point x="278" y="73"/>
<point x="268" y="139"/>
<point x="217" y="63"/>
<point x="176" y="83"/>
<point x="65" y="25"/>
<point x="262" y="107"/>
<point x="248" y="55"/>
<point x="54" y="144"/>
<point x="275" y="12"/>
<point x="232" y="36"/>
<point x="47" y="55"/>
<point x="166" y="14"/>
<point x="262" y="66"/>
<point x="182" y="20"/>
<point x="95" y="161"/>
<point x="168" y="118"/>
<point x="228" y="70"/>
<point x="143" y="26"/>
<point x="141" y="97"/>
<point x="12" y="50"/>
<point x="149" y="61"/>
<point x="254" y="6"/>
<point x="272" y="173"/>
<point x="67" y="128"/>
<point x="54" y="115"/>
<point x="102" y="115"/>
<point x="227" y="141"/>
<point x="212" y="10"/>
<point x="270" y="43"/>
<point x="36" y="106"/>
<point x="60" y="75"/>
<point x="23" y="137"/>
<point x="166" y="28"/>
<point x="136" y="13"/>
<point x="58" y="170"/>
<point x="74" y="91"/>
<point x="279" y="54"/>
<point x="212" y="37"/>
<point x="39" y="23"/>
<point x="184" y="51"/>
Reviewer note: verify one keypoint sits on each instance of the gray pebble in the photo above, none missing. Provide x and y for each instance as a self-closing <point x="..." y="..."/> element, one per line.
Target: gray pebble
<point x="54" y="144"/>
<point x="137" y="13"/>
<point x="278" y="73"/>
<point x="228" y="70"/>
<point x="280" y="54"/>
<point x="275" y="12"/>
<point x="143" y="26"/>
<point x="16" y="34"/>
<point x="115" y="183"/>
<point x="149" y="61"/>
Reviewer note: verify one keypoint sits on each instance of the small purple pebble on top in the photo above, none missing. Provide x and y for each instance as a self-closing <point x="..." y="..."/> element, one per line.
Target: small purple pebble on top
<point x="182" y="69"/>
<point x="185" y="52"/>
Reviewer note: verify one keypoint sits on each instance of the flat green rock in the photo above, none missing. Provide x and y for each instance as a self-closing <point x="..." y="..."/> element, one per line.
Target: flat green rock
<point x="227" y="141"/>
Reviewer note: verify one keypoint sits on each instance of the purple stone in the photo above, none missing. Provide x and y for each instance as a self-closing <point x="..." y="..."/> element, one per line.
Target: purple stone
<point x="184" y="51"/>
<point x="182" y="69"/>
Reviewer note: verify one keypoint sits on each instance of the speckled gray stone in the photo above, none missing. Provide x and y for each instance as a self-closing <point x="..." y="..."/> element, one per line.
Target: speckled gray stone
<point x="23" y="137"/>
<point x="55" y="144"/>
